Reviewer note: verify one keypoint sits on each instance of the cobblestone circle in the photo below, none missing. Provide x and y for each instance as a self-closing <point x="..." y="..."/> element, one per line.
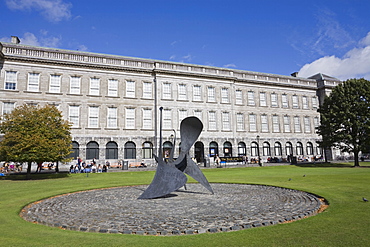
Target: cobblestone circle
<point x="192" y="211"/>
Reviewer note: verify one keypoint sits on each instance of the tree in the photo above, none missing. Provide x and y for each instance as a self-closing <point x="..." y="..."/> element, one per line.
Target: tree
<point x="35" y="134"/>
<point x="345" y="117"/>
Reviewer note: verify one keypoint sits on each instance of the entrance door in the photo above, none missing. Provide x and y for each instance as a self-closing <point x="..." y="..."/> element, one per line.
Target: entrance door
<point x="199" y="151"/>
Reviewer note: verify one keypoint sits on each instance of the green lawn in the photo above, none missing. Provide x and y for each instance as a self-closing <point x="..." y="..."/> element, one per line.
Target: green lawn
<point x="345" y="223"/>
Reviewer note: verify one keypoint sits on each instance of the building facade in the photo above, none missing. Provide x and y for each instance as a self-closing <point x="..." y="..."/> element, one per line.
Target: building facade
<point x="113" y="104"/>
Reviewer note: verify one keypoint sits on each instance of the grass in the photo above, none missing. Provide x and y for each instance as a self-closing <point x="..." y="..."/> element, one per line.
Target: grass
<point x="344" y="223"/>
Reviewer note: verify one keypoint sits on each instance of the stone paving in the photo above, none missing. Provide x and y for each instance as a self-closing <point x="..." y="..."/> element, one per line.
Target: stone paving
<point x="191" y="211"/>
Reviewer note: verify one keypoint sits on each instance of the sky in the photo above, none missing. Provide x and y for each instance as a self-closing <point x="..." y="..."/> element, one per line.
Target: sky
<point x="278" y="37"/>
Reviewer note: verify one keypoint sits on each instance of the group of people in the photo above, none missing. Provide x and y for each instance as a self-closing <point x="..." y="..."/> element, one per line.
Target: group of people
<point x="11" y="167"/>
<point x="90" y="167"/>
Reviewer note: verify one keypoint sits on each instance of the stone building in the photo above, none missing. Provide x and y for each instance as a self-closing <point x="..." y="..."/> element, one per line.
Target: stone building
<point x="113" y="101"/>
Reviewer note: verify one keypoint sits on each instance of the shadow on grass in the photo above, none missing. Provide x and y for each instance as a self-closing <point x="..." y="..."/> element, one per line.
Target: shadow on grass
<point x="328" y="164"/>
<point x="35" y="176"/>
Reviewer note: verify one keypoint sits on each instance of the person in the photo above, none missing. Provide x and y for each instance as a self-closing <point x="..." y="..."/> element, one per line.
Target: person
<point x="104" y="168"/>
<point x="39" y="167"/>
<point x="217" y="160"/>
<point x="99" y="168"/>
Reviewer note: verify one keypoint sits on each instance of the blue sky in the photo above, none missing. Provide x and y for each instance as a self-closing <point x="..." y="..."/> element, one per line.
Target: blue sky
<point x="279" y="37"/>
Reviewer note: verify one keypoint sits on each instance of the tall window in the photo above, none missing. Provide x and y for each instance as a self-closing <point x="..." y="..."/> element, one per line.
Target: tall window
<point x="198" y="114"/>
<point x="167" y="91"/>
<point x="130" y="150"/>
<point x="277" y="149"/>
<point x="74" y="115"/>
<point x="239" y="121"/>
<point x="297" y="124"/>
<point x="295" y="101"/>
<point x="11" y="80"/>
<point x="266" y="149"/>
<point x="284" y="101"/>
<point x="130" y="89"/>
<point x="147" y="118"/>
<point x="263" y="99"/>
<point x="212" y="120"/>
<point x="94" y="86"/>
<point x="111" y="150"/>
<point x="226" y="121"/>
<point x="289" y="148"/>
<point x="224" y="95"/>
<point x="54" y="86"/>
<point x="33" y="82"/>
<point x="264" y="123"/>
<point x="286" y="124"/>
<point x="275" y="124"/>
<point x="92" y="150"/>
<point x="8" y="107"/>
<point x="307" y="125"/>
<point x="130" y="118"/>
<point x="252" y="123"/>
<point x="299" y="148"/>
<point x="93" y="116"/>
<point x="167" y="119"/>
<point x="147" y="90"/>
<point x="211" y="92"/>
<point x="182" y="92"/>
<point x="316" y="122"/>
<point x="147" y="150"/>
<point x="182" y="115"/>
<point x="239" y="97"/>
<point x="309" y="148"/>
<point x="251" y="98"/>
<point x="113" y="87"/>
<point x="197" y="94"/>
<point x="254" y="149"/>
<point x="75" y="84"/>
<point x="304" y="102"/>
<point x="314" y="102"/>
<point x="112" y="117"/>
<point x="274" y="100"/>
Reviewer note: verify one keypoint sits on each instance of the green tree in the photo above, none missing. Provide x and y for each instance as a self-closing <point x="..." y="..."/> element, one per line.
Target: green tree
<point x="35" y="134"/>
<point x="345" y="117"/>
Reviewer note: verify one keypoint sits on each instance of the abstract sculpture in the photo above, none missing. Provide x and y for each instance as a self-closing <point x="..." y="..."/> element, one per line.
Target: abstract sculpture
<point x="170" y="175"/>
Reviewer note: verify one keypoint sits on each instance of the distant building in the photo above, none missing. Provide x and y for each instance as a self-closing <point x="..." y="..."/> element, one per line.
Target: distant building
<point x="113" y="101"/>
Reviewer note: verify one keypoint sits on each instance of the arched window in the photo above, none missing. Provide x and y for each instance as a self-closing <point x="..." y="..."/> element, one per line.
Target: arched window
<point x="167" y="147"/>
<point x="309" y="148"/>
<point x="213" y="149"/>
<point x="111" y="150"/>
<point x="242" y="149"/>
<point x="299" y="148"/>
<point x="266" y="149"/>
<point x="130" y="150"/>
<point x="254" y="149"/>
<point x="92" y="150"/>
<point x="75" y="150"/>
<point x="277" y="149"/>
<point x="147" y="150"/>
<point x="288" y="148"/>
<point x="228" y="149"/>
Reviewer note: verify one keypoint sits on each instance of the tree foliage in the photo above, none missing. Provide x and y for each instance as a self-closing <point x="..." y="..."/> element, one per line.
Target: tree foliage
<point x="345" y="117"/>
<point x="35" y="134"/>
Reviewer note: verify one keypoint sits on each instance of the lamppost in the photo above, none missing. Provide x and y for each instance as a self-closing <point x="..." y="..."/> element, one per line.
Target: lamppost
<point x="258" y="150"/>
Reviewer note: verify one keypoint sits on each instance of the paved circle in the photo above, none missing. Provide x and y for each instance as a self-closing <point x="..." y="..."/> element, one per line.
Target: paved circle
<point x="191" y="211"/>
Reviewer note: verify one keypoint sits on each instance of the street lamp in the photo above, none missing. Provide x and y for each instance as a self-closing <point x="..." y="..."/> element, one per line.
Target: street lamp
<point x="258" y="150"/>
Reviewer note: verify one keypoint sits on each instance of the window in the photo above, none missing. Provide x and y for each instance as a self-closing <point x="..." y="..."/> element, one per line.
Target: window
<point x="226" y="121"/>
<point x="263" y="99"/>
<point x="167" y="119"/>
<point x="277" y="149"/>
<point x="239" y="97"/>
<point x="242" y="150"/>
<point x="264" y="123"/>
<point x="130" y="89"/>
<point x="93" y="117"/>
<point x="295" y="101"/>
<point x="228" y="149"/>
<point x="54" y="84"/>
<point x="252" y="123"/>
<point x="8" y="107"/>
<point x="94" y="86"/>
<point x="75" y="150"/>
<point x="275" y="124"/>
<point x="307" y="125"/>
<point x="147" y="118"/>
<point x="130" y="118"/>
<point x="299" y="148"/>
<point x="288" y="148"/>
<point x="316" y="122"/>
<point x="130" y="150"/>
<point x="33" y="82"/>
<point x="304" y="102"/>
<point x="211" y="94"/>
<point x="167" y="91"/>
<point x="112" y="87"/>
<point x="254" y="149"/>
<point x="198" y="114"/>
<point x="111" y="150"/>
<point x="314" y="102"/>
<point x="212" y="120"/>
<point x="182" y="115"/>
<point x="284" y="101"/>
<point x="297" y="124"/>
<point x="239" y="121"/>
<point x="224" y="95"/>
<point x="251" y="98"/>
<point x="274" y="100"/>
<point x="74" y="115"/>
<point x="182" y="92"/>
<point x="147" y="90"/>
<point x="10" y="80"/>
<point x="309" y="148"/>
<point x="197" y="93"/>
<point x="75" y="83"/>
<point x="286" y="124"/>
<point x="92" y="150"/>
<point x="147" y="150"/>
<point x="112" y="117"/>
<point x="266" y="149"/>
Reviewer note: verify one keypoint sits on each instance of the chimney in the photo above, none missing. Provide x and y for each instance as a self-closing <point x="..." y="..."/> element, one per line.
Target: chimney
<point x="15" y="40"/>
<point x="295" y="74"/>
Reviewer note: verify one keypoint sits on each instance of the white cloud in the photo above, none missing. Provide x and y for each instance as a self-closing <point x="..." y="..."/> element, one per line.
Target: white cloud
<point x="52" y="10"/>
<point x="230" y="65"/>
<point x="354" y="64"/>
<point x="31" y="39"/>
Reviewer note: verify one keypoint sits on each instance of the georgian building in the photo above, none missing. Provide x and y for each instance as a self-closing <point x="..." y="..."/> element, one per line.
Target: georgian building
<point x="112" y="103"/>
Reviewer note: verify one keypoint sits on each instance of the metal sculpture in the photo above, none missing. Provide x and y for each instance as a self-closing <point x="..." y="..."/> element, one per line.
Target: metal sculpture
<point x="170" y="175"/>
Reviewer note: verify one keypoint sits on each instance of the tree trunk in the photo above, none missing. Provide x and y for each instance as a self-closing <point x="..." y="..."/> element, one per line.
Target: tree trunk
<point x="29" y="164"/>
<point x="57" y="167"/>
<point x="357" y="163"/>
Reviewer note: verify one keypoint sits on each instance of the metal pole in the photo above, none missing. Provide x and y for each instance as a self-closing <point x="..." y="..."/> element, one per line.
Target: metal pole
<point x="258" y="150"/>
